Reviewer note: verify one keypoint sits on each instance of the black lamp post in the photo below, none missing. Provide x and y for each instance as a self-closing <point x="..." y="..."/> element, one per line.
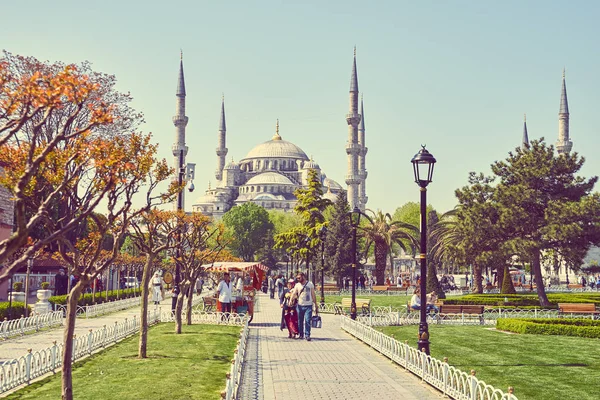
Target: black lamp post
<point x="423" y="163"/>
<point x="354" y="221"/>
<point x="323" y="235"/>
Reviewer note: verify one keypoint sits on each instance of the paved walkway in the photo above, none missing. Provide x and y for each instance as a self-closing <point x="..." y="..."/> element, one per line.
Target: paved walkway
<point x="16" y="347"/>
<point x="333" y="365"/>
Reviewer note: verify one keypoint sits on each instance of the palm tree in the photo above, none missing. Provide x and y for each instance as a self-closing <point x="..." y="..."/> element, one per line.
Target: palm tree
<point x="381" y="232"/>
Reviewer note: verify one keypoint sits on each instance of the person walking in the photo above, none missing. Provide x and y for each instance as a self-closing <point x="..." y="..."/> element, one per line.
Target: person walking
<point x="61" y="283"/>
<point x="280" y="285"/>
<point x="271" y="285"/>
<point x="224" y="293"/>
<point x="289" y="313"/>
<point x="155" y="287"/>
<point x="305" y="291"/>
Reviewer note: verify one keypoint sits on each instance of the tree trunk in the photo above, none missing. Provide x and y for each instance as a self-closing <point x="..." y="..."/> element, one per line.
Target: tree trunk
<point x="499" y="277"/>
<point x="537" y="276"/>
<point x="143" y="343"/>
<point x="380" y="261"/>
<point x="190" y="298"/>
<point x="477" y="278"/>
<point x="67" y="356"/>
<point x="179" y="308"/>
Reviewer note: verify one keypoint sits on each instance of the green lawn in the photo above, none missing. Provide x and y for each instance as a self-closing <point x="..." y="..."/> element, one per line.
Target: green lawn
<point x="538" y="366"/>
<point x="187" y="366"/>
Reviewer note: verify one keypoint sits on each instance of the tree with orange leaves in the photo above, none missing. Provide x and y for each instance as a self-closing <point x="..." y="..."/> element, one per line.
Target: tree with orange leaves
<point x="55" y="121"/>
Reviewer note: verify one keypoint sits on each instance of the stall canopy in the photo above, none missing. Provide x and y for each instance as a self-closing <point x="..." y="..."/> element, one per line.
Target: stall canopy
<point x="255" y="270"/>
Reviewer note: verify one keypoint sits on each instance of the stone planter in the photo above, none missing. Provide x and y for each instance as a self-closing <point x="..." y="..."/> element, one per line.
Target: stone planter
<point x="43" y="306"/>
<point x="18" y="296"/>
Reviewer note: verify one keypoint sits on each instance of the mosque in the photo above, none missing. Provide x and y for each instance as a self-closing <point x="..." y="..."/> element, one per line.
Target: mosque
<point x="270" y="173"/>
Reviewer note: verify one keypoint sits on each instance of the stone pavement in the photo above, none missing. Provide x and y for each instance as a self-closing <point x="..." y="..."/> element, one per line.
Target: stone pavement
<point x="333" y="365"/>
<point x="17" y="346"/>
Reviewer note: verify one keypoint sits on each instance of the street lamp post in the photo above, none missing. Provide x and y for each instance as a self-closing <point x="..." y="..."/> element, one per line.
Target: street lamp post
<point x="29" y="265"/>
<point x="423" y="163"/>
<point x="323" y="235"/>
<point x="354" y="221"/>
<point x="187" y="174"/>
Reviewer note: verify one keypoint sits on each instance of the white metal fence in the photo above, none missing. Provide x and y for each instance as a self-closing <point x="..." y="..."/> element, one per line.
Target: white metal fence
<point x="95" y="310"/>
<point x="451" y="381"/>
<point x="34" y="323"/>
<point x="23" y="370"/>
<point x="234" y="376"/>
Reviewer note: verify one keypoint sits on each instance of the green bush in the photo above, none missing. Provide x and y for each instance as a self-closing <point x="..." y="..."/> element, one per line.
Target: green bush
<point x="507" y="283"/>
<point x="45" y="285"/>
<point x="18" y="309"/>
<point x="18" y="286"/>
<point x="525" y="300"/>
<point x="86" y="299"/>
<point x="579" y="327"/>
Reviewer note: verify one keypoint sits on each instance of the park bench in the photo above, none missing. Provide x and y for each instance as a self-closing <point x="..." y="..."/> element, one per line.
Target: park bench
<point x="361" y="304"/>
<point x="461" y="310"/>
<point x="578" y="308"/>
<point x="574" y="286"/>
<point x="329" y="287"/>
<point x="209" y="303"/>
<point x="380" y="288"/>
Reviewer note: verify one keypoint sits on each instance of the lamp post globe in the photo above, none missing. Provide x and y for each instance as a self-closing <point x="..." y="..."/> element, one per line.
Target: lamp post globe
<point x="423" y="163"/>
<point x="354" y="222"/>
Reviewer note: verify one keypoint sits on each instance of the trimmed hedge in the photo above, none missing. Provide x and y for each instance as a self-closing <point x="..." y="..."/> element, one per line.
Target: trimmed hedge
<point x="587" y="328"/>
<point x="521" y="300"/>
<point x="86" y="299"/>
<point x="18" y="309"/>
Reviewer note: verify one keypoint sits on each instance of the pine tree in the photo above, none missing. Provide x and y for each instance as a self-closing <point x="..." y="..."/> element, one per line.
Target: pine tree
<point x="338" y="243"/>
<point x="507" y="283"/>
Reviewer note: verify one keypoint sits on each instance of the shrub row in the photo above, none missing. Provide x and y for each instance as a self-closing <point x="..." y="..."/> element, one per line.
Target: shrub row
<point x="542" y="326"/>
<point x="520" y="300"/>
<point x="86" y="299"/>
<point x="17" y="309"/>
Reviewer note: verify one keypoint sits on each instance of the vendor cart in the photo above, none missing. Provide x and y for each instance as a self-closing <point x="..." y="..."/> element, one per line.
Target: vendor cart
<point x="252" y="274"/>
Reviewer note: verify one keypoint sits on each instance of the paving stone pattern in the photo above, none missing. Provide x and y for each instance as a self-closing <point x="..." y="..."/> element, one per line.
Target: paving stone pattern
<point x="333" y="365"/>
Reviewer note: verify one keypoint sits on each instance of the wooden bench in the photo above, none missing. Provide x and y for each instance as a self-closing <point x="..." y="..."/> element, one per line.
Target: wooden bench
<point x="209" y="303"/>
<point x="462" y="310"/>
<point x="361" y="304"/>
<point x="578" y="308"/>
<point x="329" y="287"/>
<point x="380" y="288"/>
<point x="574" y="286"/>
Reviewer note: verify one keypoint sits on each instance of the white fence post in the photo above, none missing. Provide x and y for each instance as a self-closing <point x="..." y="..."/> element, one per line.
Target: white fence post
<point x="28" y="365"/>
<point x="54" y="350"/>
<point x="473" y="385"/>
<point x="90" y="338"/>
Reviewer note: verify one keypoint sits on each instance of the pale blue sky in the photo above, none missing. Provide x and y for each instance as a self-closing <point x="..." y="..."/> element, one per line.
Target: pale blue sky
<point x="455" y="75"/>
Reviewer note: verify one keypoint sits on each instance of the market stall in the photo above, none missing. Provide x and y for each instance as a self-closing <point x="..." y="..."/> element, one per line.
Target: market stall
<point x="251" y="273"/>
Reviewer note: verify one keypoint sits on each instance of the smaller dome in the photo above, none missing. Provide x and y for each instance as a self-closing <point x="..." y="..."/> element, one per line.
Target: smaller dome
<point x="328" y="182"/>
<point x="311" y="165"/>
<point x="207" y="198"/>
<point x="269" y="178"/>
<point x="232" y="165"/>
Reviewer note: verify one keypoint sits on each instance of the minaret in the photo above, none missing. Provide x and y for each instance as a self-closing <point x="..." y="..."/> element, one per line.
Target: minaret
<point x="564" y="144"/>
<point x="221" y="149"/>
<point x="353" y="148"/>
<point x="362" y="171"/>
<point x="525" y="144"/>
<point x="180" y="121"/>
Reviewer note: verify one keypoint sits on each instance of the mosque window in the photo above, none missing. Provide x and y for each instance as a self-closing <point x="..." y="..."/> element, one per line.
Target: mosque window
<point x="217" y="208"/>
<point x="252" y="190"/>
<point x="266" y="164"/>
<point x="258" y="188"/>
<point x="283" y="165"/>
<point x="274" y="164"/>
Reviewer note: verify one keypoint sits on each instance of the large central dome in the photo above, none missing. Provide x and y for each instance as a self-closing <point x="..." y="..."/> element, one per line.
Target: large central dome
<point x="276" y="148"/>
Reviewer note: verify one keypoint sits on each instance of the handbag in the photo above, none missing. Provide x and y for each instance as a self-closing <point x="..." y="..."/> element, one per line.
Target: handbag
<point x="316" y="322"/>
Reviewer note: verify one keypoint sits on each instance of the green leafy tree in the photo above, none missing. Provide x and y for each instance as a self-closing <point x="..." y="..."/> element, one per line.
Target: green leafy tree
<point x="305" y="239"/>
<point x="381" y="232"/>
<point x="433" y="284"/>
<point x="543" y="205"/>
<point x="247" y="229"/>
<point x="338" y="242"/>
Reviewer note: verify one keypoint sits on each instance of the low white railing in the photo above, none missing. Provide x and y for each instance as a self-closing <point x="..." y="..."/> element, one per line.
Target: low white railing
<point x="34" y="323"/>
<point x="451" y="381"/>
<point x="202" y="317"/>
<point x="23" y="370"/>
<point x="234" y="376"/>
<point x="95" y="310"/>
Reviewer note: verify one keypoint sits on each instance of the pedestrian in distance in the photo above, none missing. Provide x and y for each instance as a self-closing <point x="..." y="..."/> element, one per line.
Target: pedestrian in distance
<point x="61" y="283"/>
<point x="156" y="288"/>
<point x="271" y="287"/>
<point x="224" y="293"/>
<point x="288" y="302"/>
<point x="305" y="291"/>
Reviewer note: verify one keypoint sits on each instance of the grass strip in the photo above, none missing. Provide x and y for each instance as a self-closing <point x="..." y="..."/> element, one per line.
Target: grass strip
<point x="540" y="367"/>
<point x="191" y="365"/>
